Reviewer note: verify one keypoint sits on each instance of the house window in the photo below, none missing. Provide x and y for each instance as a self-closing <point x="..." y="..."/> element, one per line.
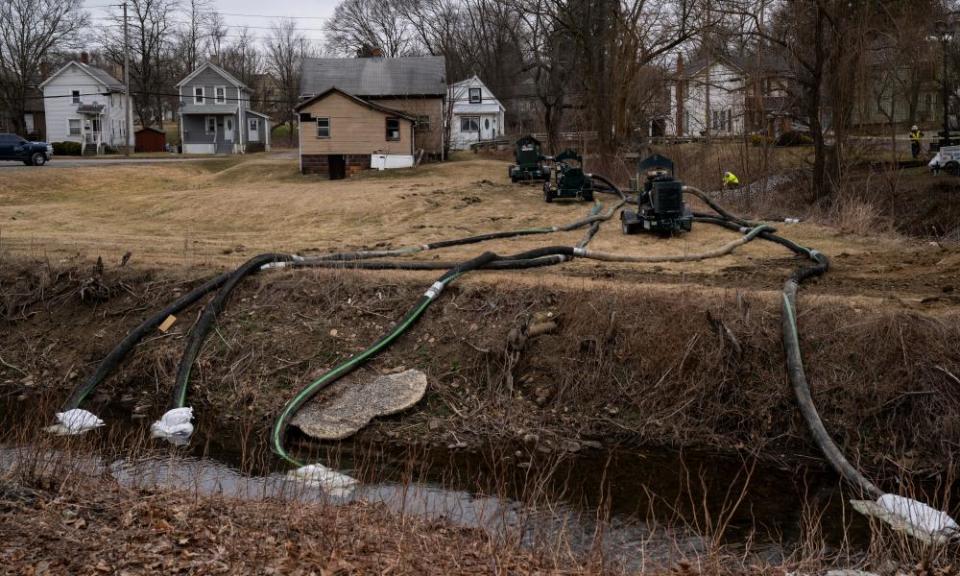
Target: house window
<point x="76" y="96"/>
<point x="198" y="94"/>
<point x="729" y="120"/>
<point x="475" y="96"/>
<point x="254" y="124"/>
<point x="423" y="123"/>
<point x="469" y="123"/>
<point x="74" y="125"/>
<point x="220" y="92"/>
<point x="28" y="123"/>
<point x="393" y="129"/>
<point x="210" y="126"/>
<point x="323" y="127"/>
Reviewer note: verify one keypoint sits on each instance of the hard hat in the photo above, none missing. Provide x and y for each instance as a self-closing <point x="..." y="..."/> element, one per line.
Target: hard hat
<point x="914" y="127"/>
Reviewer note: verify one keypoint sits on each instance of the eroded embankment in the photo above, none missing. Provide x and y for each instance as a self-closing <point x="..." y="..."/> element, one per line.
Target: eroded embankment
<point x="677" y="366"/>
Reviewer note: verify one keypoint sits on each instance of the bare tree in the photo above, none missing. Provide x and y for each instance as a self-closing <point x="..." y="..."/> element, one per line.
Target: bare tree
<point x="190" y="36"/>
<point x="286" y="48"/>
<point x="242" y="58"/>
<point x="216" y="29"/>
<point x="151" y="72"/>
<point x="361" y="27"/>
<point x="29" y="31"/>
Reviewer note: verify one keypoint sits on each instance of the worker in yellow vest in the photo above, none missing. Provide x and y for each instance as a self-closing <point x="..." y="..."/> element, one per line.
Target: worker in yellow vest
<point x="730" y="180"/>
<point x="915" y="136"/>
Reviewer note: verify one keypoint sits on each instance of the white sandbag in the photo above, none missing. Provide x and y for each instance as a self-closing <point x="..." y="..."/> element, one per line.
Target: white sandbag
<point x="175" y="425"/>
<point x="910" y="516"/>
<point x="919" y="514"/>
<point x="330" y="481"/>
<point x="75" y="421"/>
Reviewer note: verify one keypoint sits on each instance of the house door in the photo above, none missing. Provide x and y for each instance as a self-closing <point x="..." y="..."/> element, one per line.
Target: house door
<point x="254" y="129"/>
<point x="337" y="167"/>
<point x="487" y="128"/>
<point x="228" y="129"/>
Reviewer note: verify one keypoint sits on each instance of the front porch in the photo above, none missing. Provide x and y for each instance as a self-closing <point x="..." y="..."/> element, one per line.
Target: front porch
<point x="219" y="131"/>
<point x="91" y="129"/>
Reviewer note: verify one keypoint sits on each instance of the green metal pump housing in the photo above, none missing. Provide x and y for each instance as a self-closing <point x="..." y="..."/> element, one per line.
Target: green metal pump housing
<point x="660" y="206"/>
<point x="566" y="180"/>
<point x="529" y="161"/>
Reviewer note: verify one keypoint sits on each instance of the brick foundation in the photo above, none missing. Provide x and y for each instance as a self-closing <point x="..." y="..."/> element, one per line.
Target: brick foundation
<point x="320" y="164"/>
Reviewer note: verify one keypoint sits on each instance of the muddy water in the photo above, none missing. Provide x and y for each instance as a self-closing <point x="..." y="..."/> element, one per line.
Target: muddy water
<point x="638" y="507"/>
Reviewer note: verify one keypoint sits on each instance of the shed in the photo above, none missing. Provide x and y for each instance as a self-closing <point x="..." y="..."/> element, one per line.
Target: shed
<point x="150" y="140"/>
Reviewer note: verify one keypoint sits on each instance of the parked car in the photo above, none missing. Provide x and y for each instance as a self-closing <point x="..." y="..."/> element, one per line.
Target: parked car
<point x="13" y="147"/>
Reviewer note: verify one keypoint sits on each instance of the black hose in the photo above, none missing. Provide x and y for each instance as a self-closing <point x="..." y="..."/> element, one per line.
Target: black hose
<point x="203" y="326"/>
<point x="794" y="358"/>
<point x="119" y="352"/>
<point x="716" y="207"/>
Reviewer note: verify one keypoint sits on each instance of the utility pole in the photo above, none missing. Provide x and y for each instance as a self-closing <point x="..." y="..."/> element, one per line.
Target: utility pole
<point x="128" y="110"/>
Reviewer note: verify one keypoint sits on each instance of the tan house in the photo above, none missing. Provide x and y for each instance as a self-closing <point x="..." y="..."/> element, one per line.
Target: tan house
<point x="358" y="113"/>
<point x="340" y="134"/>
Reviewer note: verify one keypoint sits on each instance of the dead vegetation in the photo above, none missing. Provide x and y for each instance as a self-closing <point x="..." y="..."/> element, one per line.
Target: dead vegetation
<point x="671" y="366"/>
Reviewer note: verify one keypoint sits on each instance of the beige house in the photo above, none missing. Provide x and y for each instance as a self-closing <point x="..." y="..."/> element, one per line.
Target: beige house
<point x="340" y="134"/>
<point x="359" y="113"/>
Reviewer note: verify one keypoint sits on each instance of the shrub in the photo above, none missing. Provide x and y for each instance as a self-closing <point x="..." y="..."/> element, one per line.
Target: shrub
<point x="66" y="148"/>
<point x="794" y="138"/>
<point x="760" y="140"/>
<point x="255" y="147"/>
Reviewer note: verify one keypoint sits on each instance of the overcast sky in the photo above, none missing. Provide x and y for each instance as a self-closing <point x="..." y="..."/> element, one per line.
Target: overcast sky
<point x="311" y="15"/>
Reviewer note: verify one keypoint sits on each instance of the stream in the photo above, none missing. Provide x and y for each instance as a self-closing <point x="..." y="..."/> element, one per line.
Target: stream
<point x="639" y="507"/>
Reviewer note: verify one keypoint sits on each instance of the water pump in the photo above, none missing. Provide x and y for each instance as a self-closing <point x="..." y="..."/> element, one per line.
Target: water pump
<point x="529" y="161"/>
<point x="567" y="180"/>
<point x="660" y="206"/>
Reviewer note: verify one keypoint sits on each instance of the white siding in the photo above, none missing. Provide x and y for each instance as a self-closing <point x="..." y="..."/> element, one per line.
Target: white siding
<point x="489" y="112"/>
<point x="60" y="107"/>
<point x="722" y="86"/>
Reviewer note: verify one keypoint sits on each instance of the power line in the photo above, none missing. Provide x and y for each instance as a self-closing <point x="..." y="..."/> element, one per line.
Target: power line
<point x="185" y="98"/>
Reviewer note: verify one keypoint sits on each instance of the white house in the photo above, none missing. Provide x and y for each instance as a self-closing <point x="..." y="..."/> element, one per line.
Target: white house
<point x="720" y="96"/>
<point x="85" y="104"/>
<point x="476" y="116"/>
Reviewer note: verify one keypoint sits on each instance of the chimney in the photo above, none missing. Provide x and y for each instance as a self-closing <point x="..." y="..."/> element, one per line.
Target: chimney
<point x="84" y="57"/>
<point x="680" y="85"/>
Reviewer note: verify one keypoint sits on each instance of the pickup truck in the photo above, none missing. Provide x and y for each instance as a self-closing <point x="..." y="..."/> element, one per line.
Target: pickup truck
<point x="13" y="147"/>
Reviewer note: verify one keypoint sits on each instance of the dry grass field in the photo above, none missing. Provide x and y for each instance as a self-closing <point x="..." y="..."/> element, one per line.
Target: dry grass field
<point x="220" y="212"/>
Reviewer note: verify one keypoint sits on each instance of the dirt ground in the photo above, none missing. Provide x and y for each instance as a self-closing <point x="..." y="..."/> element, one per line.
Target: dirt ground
<point x="97" y="527"/>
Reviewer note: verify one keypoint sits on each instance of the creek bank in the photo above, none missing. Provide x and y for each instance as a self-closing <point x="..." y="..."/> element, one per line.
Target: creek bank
<point x="685" y="368"/>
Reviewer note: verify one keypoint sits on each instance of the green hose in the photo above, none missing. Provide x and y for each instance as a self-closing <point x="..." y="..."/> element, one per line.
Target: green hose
<point x="344" y="368"/>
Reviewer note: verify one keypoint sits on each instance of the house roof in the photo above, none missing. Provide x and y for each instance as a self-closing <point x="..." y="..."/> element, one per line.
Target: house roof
<point x="749" y="63"/>
<point x="461" y="98"/>
<point x="228" y="76"/>
<point x="360" y="101"/>
<point x="369" y="77"/>
<point x="207" y="108"/>
<point x="255" y="113"/>
<point x="98" y="74"/>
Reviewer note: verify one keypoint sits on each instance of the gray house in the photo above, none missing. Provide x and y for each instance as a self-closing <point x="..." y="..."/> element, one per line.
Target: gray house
<point x="215" y="114"/>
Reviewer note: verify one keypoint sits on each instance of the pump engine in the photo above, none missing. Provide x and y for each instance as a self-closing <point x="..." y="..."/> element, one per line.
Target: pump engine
<point x="660" y="206"/>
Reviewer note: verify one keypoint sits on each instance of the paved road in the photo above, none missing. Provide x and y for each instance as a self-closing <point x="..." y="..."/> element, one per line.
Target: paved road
<point x="64" y="162"/>
<point x="71" y="162"/>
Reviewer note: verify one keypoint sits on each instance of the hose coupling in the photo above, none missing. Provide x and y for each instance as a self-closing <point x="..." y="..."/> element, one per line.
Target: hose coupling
<point x="434" y="290"/>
